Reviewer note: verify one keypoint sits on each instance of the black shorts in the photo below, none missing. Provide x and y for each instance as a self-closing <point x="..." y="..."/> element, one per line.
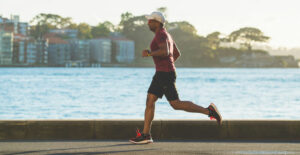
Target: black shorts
<point x="163" y="83"/>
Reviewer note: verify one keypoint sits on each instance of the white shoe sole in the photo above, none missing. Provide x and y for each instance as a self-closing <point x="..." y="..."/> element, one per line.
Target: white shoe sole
<point x="142" y="142"/>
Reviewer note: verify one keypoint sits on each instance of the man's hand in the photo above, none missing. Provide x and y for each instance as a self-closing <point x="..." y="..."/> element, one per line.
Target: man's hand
<point x="145" y="53"/>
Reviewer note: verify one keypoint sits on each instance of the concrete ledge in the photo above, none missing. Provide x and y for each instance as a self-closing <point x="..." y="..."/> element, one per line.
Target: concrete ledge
<point x="278" y="130"/>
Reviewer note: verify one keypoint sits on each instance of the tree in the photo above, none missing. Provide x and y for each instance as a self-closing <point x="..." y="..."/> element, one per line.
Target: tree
<point x="213" y="40"/>
<point x="247" y="36"/>
<point x="136" y="28"/>
<point x="103" y="29"/>
<point x="52" y="19"/>
<point x="72" y="26"/>
<point x="182" y="26"/>
<point x="84" y="31"/>
<point x="193" y="47"/>
<point x="163" y="10"/>
<point x="42" y="23"/>
<point x="124" y="18"/>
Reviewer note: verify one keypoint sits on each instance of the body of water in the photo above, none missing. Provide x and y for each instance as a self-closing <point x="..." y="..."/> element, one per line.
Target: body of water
<point x="120" y="93"/>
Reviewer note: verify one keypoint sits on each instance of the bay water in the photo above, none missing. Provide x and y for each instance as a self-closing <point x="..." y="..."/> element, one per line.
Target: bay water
<point x="120" y="93"/>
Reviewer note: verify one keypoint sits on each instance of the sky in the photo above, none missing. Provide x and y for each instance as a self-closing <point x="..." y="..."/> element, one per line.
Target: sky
<point x="278" y="19"/>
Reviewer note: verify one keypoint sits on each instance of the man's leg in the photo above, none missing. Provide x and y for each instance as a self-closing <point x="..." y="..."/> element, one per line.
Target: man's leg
<point x="149" y="112"/>
<point x="171" y="93"/>
<point x="188" y="106"/>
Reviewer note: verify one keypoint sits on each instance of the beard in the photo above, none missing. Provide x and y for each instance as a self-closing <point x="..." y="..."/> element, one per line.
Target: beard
<point x="152" y="29"/>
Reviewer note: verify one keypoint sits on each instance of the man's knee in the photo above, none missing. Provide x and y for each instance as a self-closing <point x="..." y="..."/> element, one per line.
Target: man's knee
<point x="151" y="99"/>
<point x="175" y="104"/>
<point x="150" y="104"/>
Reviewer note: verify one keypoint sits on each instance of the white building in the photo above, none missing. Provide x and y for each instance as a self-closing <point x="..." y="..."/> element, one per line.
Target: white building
<point x="124" y="50"/>
<point x="6" y="48"/>
<point x="100" y="50"/>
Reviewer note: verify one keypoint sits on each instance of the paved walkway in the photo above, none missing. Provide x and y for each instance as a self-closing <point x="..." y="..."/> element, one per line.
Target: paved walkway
<point x="159" y="147"/>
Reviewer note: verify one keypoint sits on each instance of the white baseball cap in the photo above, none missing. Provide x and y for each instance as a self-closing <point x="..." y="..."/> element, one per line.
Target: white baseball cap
<point x="158" y="16"/>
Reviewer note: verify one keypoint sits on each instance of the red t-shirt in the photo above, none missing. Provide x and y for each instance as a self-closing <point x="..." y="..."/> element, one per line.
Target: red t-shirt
<point x="166" y="63"/>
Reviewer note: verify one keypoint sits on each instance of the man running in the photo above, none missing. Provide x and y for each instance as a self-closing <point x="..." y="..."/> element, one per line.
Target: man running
<point x="164" y="53"/>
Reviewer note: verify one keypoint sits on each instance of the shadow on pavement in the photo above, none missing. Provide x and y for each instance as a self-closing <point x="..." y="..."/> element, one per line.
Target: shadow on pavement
<point x="78" y="148"/>
<point x="105" y="152"/>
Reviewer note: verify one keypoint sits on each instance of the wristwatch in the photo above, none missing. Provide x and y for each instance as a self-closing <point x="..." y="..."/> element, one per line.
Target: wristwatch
<point x="148" y="53"/>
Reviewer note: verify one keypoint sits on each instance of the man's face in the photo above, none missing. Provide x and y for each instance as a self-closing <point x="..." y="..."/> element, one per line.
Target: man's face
<point x="153" y="24"/>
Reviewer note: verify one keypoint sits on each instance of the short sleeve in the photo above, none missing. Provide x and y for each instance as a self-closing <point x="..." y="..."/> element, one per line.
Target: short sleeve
<point x="161" y="38"/>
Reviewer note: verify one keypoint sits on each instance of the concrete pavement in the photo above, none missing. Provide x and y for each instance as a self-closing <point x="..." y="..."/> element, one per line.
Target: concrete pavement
<point x="78" y="147"/>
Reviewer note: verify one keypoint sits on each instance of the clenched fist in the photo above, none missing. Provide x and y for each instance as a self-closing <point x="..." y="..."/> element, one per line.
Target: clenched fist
<point x="145" y="53"/>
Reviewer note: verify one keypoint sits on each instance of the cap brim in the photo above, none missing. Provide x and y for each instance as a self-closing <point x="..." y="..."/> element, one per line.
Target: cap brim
<point x="149" y="17"/>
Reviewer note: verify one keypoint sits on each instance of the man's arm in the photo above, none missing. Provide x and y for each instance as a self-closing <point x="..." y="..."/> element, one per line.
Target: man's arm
<point x="162" y="51"/>
<point x="176" y="51"/>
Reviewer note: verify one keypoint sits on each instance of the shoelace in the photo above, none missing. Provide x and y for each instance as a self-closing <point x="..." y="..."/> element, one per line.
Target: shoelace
<point x="210" y="113"/>
<point x="138" y="133"/>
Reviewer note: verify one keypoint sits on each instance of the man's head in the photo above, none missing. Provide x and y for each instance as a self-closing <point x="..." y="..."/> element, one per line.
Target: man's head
<point x="155" y="20"/>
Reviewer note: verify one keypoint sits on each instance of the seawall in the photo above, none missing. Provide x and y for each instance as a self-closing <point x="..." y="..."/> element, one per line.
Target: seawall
<point x="277" y="130"/>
